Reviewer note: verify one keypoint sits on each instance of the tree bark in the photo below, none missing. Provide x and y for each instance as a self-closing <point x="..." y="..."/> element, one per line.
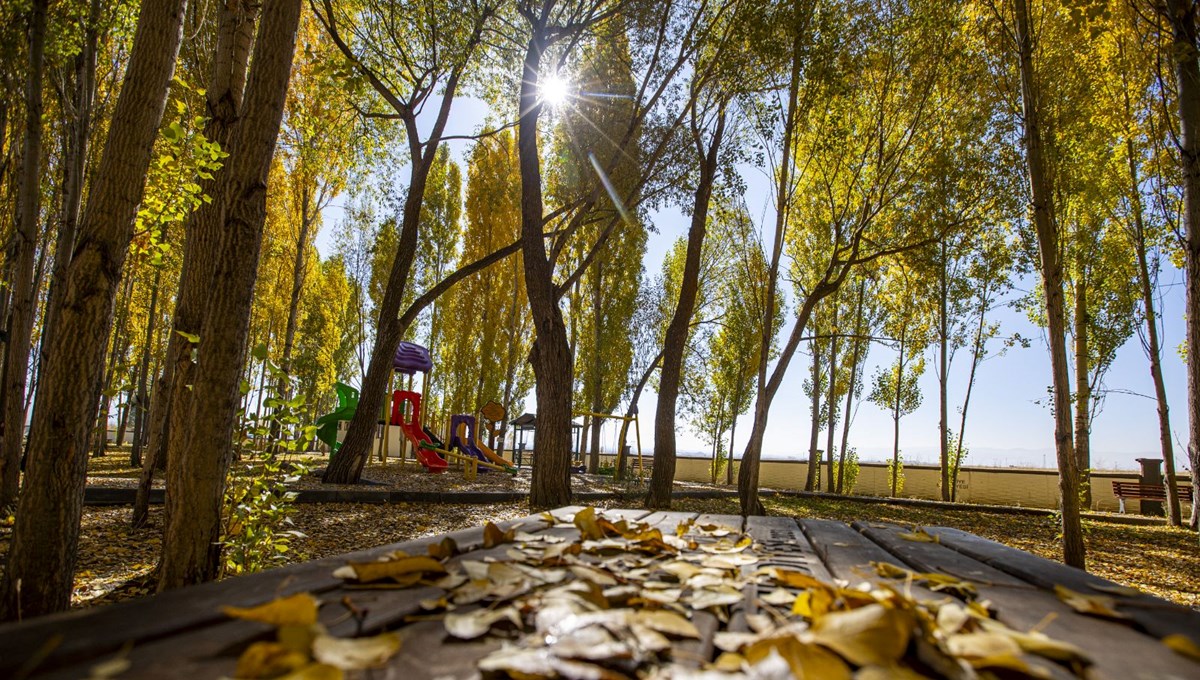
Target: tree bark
<point x="850" y="389"/>
<point x="896" y="415"/>
<point x="748" y="471"/>
<point x="1151" y="341"/>
<point x="597" y="365"/>
<point x="630" y="412"/>
<point x="120" y="344"/>
<point x="814" y="456"/>
<point x="551" y="354"/>
<point x="200" y="443"/>
<point x="1083" y="392"/>
<point x="139" y="418"/>
<point x="346" y="467"/>
<point x="976" y="357"/>
<point x="1187" y="74"/>
<point x="41" y="561"/>
<point x="21" y="252"/>
<point x="675" y="343"/>
<point x="944" y="371"/>
<point x="1052" y="285"/>
<point x="223" y="99"/>
<point x="831" y="404"/>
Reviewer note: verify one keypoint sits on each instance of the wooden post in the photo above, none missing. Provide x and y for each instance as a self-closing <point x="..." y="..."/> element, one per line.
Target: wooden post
<point x="387" y="420"/>
<point x="637" y="430"/>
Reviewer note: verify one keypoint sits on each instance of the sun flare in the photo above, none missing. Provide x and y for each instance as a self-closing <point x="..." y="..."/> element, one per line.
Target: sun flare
<point x="555" y="90"/>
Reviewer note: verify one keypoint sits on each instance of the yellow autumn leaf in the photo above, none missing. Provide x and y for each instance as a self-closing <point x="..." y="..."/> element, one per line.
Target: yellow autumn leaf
<point x="589" y="528"/>
<point x="873" y="635"/>
<point x="1094" y="605"/>
<point x="918" y="535"/>
<point x="813" y="603"/>
<point x="494" y="535"/>
<point x="295" y="610"/>
<point x="804" y="659"/>
<point x="315" y="671"/>
<point x="268" y="660"/>
<point x="406" y="570"/>
<point x="444" y="549"/>
<point x="796" y="579"/>
<point x="1182" y="644"/>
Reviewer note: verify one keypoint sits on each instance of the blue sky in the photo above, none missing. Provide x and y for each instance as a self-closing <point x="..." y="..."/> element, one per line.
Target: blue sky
<point x="1006" y="426"/>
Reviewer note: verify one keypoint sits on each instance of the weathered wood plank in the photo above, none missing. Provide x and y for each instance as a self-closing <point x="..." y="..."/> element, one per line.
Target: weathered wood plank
<point x="1153" y="615"/>
<point x="188" y="613"/>
<point x="848" y="555"/>
<point x="785" y="545"/>
<point x="1118" y="651"/>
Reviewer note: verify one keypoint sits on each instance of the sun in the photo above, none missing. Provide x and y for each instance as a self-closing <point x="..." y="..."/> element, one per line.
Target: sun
<point x="555" y="90"/>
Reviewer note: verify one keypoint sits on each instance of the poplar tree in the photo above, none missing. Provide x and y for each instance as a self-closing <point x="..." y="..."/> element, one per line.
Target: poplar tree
<point x="41" y="560"/>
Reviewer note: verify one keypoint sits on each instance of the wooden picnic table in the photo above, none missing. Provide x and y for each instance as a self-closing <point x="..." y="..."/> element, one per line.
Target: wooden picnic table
<point x="184" y="634"/>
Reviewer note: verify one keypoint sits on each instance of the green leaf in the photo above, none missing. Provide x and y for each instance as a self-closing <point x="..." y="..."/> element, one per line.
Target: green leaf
<point x="190" y="337"/>
<point x="259" y="352"/>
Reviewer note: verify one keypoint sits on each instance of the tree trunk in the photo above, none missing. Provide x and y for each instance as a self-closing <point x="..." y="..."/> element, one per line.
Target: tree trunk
<point x="120" y="344"/>
<point x="976" y="357"/>
<point x="156" y="450"/>
<point x="1187" y="75"/>
<point x="41" y="561"/>
<point x="597" y="366"/>
<point x="831" y="405"/>
<point x="850" y="389"/>
<point x="1151" y="342"/>
<point x="298" y="275"/>
<point x="346" y="467"/>
<point x="21" y="251"/>
<point x="630" y="412"/>
<point x="814" y="456"/>
<point x="77" y="100"/>
<point x="675" y="343"/>
<point x="748" y="471"/>
<point x="944" y="371"/>
<point x="199" y="448"/>
<point x="1083" y="392"/>
<point x="896" y="416"/>
<point x="1052" y="285"/>
<point x="235" y="35"/>
<point x="729" y="455"/>
<point x="139" y="420"/>
<point x="551" y="354"/>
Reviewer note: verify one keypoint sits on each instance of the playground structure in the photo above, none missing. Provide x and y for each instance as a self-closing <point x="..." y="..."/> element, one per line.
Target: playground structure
<point x="462" y="439"/>
<point x="625" y="420"/>
<point x="327" y="425"/>
<point x="429" y="451"/>
<point x="405" y="411"/>
<point x="527" y="422"/>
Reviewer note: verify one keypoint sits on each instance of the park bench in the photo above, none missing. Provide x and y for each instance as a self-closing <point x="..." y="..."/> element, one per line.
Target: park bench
<point x="1148" y="492"/>
<point x="183" y="633"/>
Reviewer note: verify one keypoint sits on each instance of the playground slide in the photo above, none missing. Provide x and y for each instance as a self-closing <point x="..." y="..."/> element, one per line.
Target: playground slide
<point x="418" y="439"/>
<point x="466" y="445"/>
<point x="492" y="456"/>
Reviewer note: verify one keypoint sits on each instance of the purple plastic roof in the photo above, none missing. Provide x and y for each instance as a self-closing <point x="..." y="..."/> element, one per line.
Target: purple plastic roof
<point x="410" y="358"/>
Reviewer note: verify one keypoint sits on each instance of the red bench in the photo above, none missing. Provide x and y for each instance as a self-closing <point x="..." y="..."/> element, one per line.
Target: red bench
<point x="1149" y="492"/>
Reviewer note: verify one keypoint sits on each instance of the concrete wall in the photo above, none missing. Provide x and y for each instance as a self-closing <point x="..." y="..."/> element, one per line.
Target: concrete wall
<point x="1023" y="487"/>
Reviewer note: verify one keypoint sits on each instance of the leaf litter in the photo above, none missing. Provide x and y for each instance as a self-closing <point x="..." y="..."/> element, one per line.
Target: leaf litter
<point x="593" y="607"/>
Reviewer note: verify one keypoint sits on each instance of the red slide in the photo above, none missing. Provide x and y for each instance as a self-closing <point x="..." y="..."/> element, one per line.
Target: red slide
<point x="412" y="430"/>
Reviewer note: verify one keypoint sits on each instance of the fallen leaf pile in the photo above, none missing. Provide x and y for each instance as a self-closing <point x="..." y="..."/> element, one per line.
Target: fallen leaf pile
<point x="603" y="598"/>
<point x="303" y="650"/>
